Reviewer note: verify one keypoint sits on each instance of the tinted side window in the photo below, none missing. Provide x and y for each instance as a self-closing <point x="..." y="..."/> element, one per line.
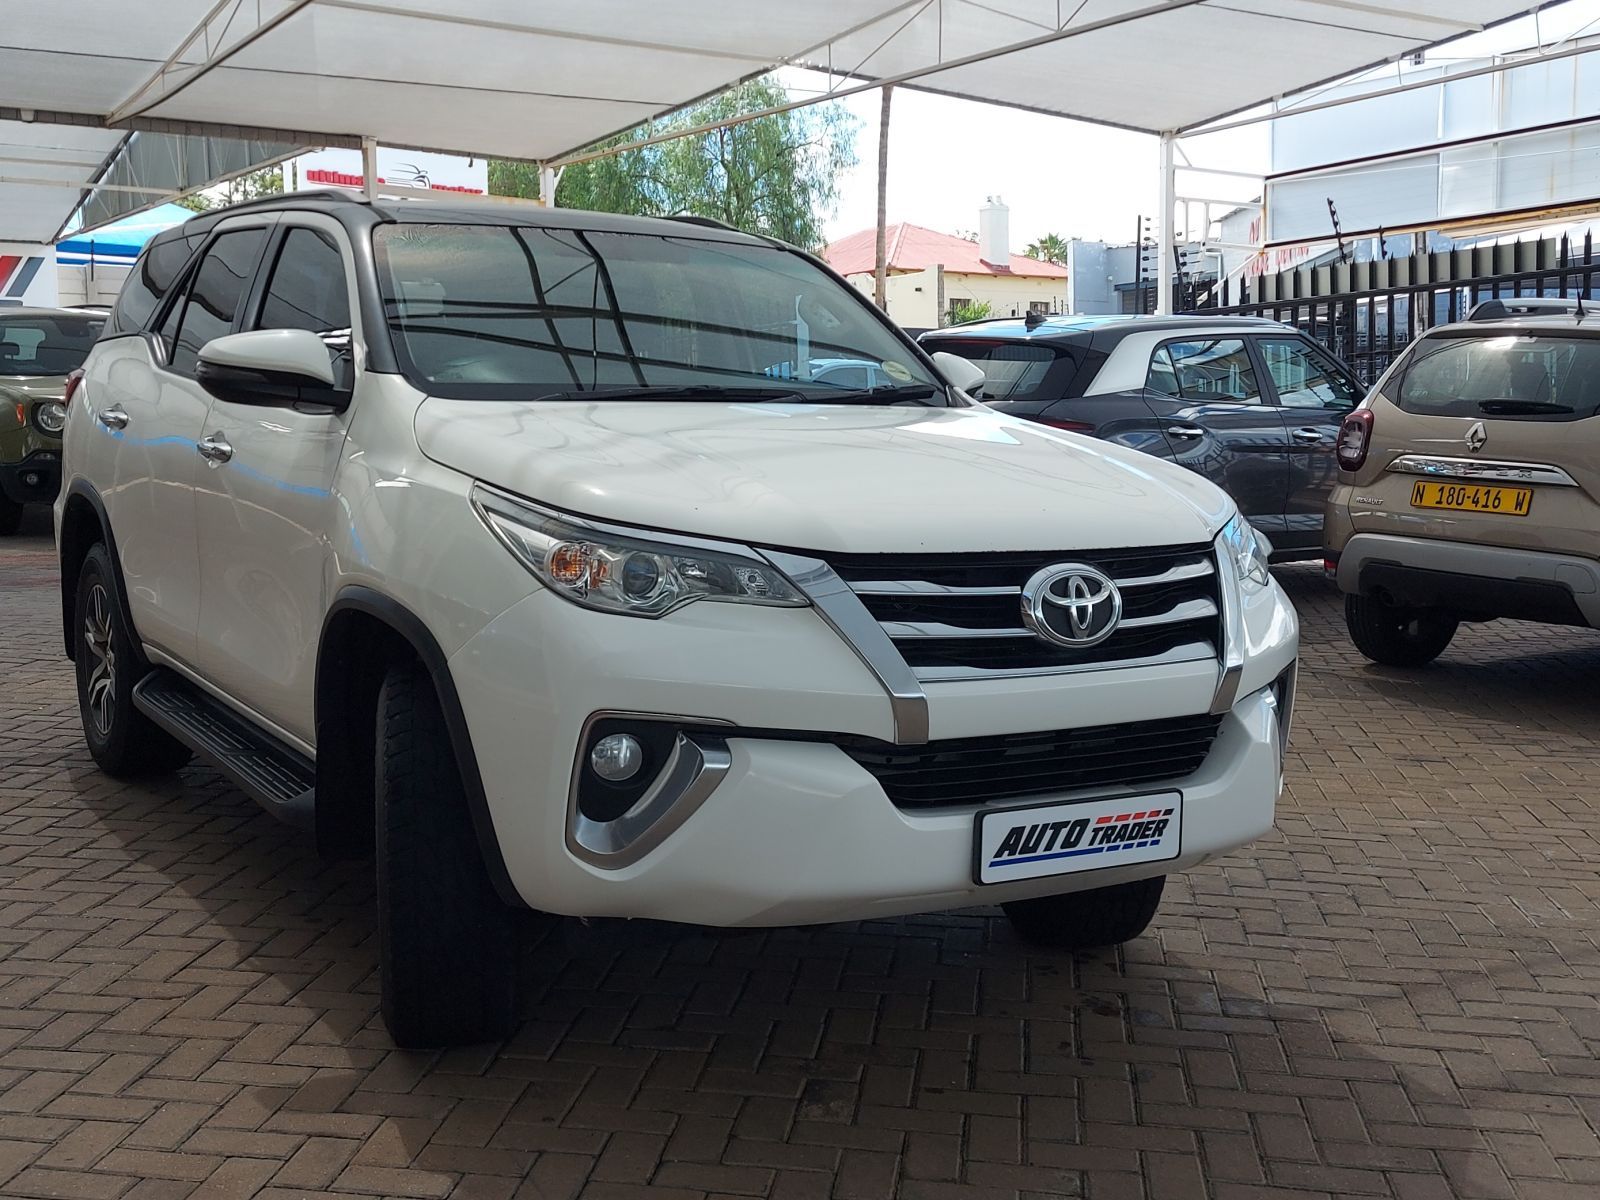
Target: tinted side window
<point x="1305" y="377"/>
<point x="308" y="290"/>
<point x="219" y="284"/>
<point x="1207" y="369"/>
<point x="142" y="293"/>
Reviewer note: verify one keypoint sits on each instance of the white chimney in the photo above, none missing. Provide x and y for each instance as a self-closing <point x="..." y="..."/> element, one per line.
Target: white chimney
<point x="994" y="233"/>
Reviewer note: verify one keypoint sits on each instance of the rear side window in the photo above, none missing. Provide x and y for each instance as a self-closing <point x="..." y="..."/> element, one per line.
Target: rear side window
<point x="158" y="269"/>
<point x="1208" y="369"/>
<point x="1520" y="377"/>
<point x="213" y="300"/>
<point x="1013" y="369"/>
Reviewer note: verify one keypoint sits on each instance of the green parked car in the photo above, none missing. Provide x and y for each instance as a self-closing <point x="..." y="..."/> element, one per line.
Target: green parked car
<point x="39" y="348"/>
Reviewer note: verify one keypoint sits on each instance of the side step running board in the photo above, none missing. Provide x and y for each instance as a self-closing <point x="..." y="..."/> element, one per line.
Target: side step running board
<point x="275" y="776"/>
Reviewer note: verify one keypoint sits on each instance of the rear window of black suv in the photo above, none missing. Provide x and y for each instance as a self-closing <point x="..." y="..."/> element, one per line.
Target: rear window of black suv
<point x="1517" y="375"/>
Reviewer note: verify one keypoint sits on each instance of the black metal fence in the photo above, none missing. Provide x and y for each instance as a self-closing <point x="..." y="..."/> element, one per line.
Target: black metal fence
<point x="1367" y="312"/>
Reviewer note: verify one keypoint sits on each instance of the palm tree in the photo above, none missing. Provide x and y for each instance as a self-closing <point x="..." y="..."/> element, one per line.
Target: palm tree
<point x="880" y="281"/>
<point x="1052" y="248"/>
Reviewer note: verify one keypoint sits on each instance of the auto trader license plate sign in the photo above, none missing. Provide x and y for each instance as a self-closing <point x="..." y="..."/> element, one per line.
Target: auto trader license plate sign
<point x="1472" y="497"/>
<point x="1065" y="839"/>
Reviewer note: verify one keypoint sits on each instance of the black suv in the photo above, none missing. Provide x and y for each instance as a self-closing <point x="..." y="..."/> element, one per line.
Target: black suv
<point x="1253" y="405"/>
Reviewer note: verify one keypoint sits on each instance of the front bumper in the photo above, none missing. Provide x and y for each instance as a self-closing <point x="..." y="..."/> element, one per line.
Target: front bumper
<point x="794" y="831"/>
<point x="34" y="480"/>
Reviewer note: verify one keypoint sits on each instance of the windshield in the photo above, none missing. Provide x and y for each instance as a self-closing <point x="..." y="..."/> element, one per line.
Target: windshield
<point x="522" y="312"/>
<point x="1504" y="375"/>
<point x="40" y="345"/>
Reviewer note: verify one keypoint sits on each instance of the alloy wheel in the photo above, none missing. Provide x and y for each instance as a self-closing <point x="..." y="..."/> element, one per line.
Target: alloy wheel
<point x="101" y="688"/>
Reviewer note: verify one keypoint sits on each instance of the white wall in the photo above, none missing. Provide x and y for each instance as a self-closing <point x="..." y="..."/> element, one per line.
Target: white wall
<point x="77" y="286"/>
<point x="1006" y="295"/>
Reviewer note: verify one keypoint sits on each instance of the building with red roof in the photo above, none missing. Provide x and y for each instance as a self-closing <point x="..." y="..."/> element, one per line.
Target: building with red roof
<point x="932" y="274"/>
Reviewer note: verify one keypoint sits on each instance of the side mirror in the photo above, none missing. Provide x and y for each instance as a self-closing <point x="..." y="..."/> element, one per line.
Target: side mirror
<point x="273" y="368"/>
<point x="961" y="372"/>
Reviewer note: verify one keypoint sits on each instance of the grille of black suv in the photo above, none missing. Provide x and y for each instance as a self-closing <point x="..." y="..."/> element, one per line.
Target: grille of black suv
<point x="958" y="616"/>
<point x="978" y="770"/>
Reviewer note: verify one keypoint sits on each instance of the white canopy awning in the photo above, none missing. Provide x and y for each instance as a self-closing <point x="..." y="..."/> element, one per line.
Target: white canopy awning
<point x="517" y="80"/>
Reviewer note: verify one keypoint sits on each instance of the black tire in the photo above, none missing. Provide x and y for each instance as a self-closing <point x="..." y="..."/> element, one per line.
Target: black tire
<point x="10" y="516"/>
<point x="447" y="944"/>
<point x="1106" y="916"/>
<point x="1396" y="636"/>
<point x="122" y="740"/>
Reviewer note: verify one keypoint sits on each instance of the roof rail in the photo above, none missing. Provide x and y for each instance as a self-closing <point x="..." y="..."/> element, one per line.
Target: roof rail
<point x="1523" y="306"/>
<point x="708" y="222"/>
<point x="286" y="198"/>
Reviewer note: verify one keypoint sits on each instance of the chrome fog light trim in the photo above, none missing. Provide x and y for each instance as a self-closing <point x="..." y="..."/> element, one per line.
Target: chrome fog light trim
<point x="696" y="765"/>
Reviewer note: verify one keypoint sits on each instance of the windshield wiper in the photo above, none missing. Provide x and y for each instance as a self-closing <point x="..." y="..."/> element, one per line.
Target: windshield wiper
<point x="878" y="395"/>
<point x="669" y="391"/>
<point x="1510" y="407"/>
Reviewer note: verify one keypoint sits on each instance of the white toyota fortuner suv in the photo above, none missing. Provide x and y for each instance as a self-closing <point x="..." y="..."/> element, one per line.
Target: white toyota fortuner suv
<point x="553" y="558"/>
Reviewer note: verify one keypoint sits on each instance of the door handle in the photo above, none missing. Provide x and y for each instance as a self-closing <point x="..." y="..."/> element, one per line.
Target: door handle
<point x="115" y="417"/>
<point x="1187" y="432"/>
<point x="214" y="449"/>
<point x="1309" y="436"/>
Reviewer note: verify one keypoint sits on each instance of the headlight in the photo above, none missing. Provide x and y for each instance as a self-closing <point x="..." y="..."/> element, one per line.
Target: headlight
<point x="1248" y="551"/>
<point x="625" y="572"/>
<point x="50" y="417"/>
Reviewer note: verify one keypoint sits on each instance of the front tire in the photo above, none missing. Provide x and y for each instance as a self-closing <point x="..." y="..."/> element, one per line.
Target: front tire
<point x="123" y="742"/>
<point x="447" y="943"/>
<point x="1106" y="916"/>
<point x="1397" y="636"/>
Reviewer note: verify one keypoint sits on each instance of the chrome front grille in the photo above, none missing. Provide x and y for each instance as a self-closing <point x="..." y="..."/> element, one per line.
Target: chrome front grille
<point x="959" y="616"/>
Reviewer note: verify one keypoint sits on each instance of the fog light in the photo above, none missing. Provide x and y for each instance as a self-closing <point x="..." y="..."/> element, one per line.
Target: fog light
<point x="616" y="757"/>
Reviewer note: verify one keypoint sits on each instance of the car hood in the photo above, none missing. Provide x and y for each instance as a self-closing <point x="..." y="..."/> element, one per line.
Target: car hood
<point x="844" y="478"/>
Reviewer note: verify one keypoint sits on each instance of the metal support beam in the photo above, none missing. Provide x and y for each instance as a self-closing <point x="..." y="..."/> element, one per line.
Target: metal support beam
<point x="369" y="166"/>
<point x="578" y="156"/>
<point x="223" y="32"/>
<point x="549" y="177"/>
<point x="1166" y="220"/>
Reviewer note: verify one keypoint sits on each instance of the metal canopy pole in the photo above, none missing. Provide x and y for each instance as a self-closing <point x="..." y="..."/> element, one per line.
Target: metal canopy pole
<point x="369" y="166"/>
<point x="1166" y="235"/>
<point x="548" y="178"/>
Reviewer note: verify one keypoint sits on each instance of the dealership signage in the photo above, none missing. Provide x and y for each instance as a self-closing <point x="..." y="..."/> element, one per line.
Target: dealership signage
<point x="28" y="275"/>
<point x="400" y="172"/>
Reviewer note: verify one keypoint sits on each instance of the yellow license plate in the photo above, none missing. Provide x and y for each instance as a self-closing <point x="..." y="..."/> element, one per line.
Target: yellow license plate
<point x="1472" y="497"/>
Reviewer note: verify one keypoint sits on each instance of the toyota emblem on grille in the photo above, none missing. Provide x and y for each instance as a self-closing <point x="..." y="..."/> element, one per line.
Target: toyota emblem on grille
<point x="1476" y="437"/>
<point x="1069" y="604"/>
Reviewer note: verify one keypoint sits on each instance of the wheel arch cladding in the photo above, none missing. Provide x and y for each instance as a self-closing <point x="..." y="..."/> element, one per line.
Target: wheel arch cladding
<point x="363" y="635"/>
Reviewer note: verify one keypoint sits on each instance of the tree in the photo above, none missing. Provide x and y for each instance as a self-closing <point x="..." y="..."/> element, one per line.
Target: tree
<point x="1051" y="248"/>
<point x="776" y="175"/>
<point x="969" y="310"/>
<point x="266" y="182"/>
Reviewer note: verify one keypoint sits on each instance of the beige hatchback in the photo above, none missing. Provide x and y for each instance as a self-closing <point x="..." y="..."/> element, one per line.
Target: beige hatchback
<point x="1469" y="481"/>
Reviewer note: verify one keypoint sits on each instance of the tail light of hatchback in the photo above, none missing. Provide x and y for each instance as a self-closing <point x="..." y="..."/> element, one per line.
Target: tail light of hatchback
<point x="1355" y="438"/>
<point x="74" y="382"/>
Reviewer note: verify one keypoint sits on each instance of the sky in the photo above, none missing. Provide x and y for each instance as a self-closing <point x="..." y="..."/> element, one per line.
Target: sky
<point x="947" y="156"/>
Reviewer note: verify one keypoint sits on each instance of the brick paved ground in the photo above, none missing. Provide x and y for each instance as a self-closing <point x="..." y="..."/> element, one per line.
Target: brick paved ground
<point x="1394" y="995"/>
